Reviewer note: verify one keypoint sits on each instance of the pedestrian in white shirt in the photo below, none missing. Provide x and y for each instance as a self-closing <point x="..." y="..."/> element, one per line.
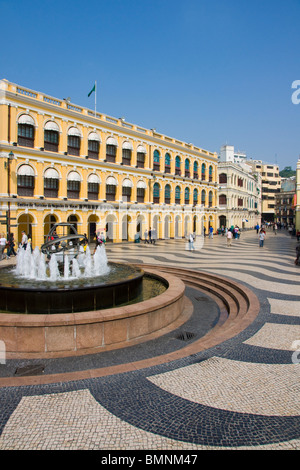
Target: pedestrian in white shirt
<point x="229" y="237"/>
<point x="24" y="240"/>
<point x="2" y="245"/>
<point x="191" y="242"/>
<point x="262" y="236"/>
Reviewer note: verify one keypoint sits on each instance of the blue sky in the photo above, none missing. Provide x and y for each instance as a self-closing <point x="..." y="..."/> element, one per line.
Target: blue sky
<point x="207" y="72"/>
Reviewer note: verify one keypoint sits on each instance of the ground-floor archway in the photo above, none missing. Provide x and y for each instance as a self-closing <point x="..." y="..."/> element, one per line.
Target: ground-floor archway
<point x="73" y="219"/>
<point x="92" y="222"/>
<point x="49" y="221"/>
<point x="140" y="224"/>
<point x="167" y="223"/>
<point x="222" y="221"/>
<point x="25" y="223"/>
<point x="178" y="230"/>
<point x="110" y="224"/>
<point x="126" y="221"/>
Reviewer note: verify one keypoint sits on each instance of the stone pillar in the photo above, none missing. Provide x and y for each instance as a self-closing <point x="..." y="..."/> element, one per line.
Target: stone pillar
<point x="119" y="150"/>
<point x="62" y="193"/>
<point x="39" y="180"/>
<point x="102" y="151"/>
<point x="84" y="141"/>
<point x="39" y="131"/>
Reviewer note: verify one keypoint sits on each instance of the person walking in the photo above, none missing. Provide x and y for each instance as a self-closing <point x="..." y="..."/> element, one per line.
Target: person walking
<point x="97" y="242"/>
<point x="11" y="245"/>
<point x="149" y="235"/>
<point x="2" y="245"/>
<point x="146" y="236"/>
<point x="297" y="260"/>
<point x="229" y="237"/>
<point x="29" y="242"/>
<point x="262" y="236"/>
<point x="24" y="240"/>
<point x="211" y="232"/>
<point x="154" y="236"/>
<point x="235" y="232"/>
<point x="191" y="242"/>
<point x="102" y="238"/>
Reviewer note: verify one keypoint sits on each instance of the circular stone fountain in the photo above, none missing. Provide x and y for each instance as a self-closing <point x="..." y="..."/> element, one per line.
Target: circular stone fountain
<point x="64" y="300"/>
<point x="64" y="277"/>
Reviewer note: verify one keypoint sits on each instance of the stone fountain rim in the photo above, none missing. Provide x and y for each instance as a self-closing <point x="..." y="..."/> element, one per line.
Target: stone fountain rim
<point x="139" y="273"/>
<point x="175" y="290"/>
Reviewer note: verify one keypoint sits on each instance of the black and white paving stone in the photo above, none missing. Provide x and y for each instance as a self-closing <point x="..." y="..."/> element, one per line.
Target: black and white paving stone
<point x="241" y="394"/>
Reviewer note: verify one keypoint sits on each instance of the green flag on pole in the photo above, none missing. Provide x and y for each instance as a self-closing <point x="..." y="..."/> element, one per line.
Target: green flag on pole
<point x="93" y="89"/>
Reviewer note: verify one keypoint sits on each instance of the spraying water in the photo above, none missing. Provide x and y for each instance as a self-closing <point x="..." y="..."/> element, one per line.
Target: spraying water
<point x="34" y="265"/>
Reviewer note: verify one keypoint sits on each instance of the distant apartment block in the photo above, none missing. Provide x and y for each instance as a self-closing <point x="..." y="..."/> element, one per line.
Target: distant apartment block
<point x="271" y="184"/>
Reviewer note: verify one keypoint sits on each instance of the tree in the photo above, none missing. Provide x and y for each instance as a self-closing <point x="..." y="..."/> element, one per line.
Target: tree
<point x="287" y="172"/>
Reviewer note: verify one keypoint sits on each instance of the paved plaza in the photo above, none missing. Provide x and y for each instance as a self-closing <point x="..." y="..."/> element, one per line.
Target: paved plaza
<point x="242" y="393"/>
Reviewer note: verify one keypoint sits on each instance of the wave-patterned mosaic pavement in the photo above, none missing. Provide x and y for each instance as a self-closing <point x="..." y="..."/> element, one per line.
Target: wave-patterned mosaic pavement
<point x="240" y="394"/>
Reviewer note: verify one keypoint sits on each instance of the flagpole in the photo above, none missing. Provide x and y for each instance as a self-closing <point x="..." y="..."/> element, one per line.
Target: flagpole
<point x="95" y="96"/>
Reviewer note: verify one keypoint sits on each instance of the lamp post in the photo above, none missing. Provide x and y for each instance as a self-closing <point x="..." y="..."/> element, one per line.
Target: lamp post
<point x="9" y="160"/>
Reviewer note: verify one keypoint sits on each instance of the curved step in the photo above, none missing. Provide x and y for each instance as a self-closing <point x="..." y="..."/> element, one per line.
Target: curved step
<point x="233" y="296"/>
<point x="238" y="305"/>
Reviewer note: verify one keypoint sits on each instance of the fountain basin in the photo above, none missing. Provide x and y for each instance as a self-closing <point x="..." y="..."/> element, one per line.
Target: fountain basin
<point x="121" y="285"/>
<point x="78" y="333"/>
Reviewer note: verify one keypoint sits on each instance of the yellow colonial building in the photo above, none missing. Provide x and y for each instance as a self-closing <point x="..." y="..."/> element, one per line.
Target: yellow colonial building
<point x="64" y="163"/>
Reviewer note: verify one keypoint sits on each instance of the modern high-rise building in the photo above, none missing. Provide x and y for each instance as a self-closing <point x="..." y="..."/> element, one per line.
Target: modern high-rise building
<point x="61" y="162"/>
<point x="271" y="183"/>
